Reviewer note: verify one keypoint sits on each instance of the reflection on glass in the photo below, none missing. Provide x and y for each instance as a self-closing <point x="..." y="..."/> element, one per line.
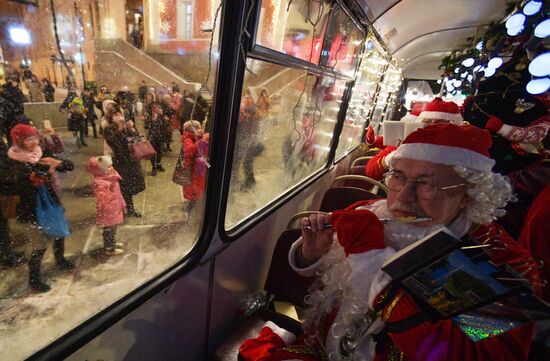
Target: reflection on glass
<point x="362" y="99"/>
<point x="286" y="122"/>
<point x="293" y="27"/>
<point x="343" y="42"/>
<point x="105" y="121"/>
<point x="386" y="96"/>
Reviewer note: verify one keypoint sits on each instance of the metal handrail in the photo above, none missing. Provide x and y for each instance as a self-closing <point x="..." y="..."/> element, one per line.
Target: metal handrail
<point x="359" y="159"/>
<point x="362" y="178"/>
<point x="297" y="216"/>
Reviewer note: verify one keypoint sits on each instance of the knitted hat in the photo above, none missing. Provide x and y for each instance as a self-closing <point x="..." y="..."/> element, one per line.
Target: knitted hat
<point x="192" y="126"/>
<point x="439" y="109"/>
<point x="99" y="165"/>
<point x="21" y="132"/>
<point x="104" y="162"/>
<point x="448" y="144"/>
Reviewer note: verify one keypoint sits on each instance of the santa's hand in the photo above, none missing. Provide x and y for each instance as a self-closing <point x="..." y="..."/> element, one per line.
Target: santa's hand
<point x="494" y="124"/>
<point x="316" y="236"/>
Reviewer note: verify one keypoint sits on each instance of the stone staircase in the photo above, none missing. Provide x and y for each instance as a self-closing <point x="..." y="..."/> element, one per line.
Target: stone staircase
<point x="119" y="64"/>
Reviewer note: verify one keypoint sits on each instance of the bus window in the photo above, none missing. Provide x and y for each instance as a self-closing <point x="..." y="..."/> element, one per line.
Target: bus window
<point x="288" y="26"/>
<point x="95" y="96"/>
<point x="343" y="42"/>
<point x="286" y="122"/>
<point x="386" y="95"/>
<point x="364" y="90"/>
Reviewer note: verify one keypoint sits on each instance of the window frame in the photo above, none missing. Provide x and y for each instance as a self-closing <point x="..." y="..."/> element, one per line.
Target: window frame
<point x="77" y="337"/>
<point x="259" y="52"/>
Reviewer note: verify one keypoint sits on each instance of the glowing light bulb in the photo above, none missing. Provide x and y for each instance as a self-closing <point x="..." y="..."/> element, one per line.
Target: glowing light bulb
<point x="542" y="30"/>
<point x="540" y="66"/>
<point x="515" y="21"/>
<point x="468" y="62"/>
<point x="532" y="7"/>
<point x="495" y="63"/>
<point x="538" y="86"/>
<point x="489" y="72"/>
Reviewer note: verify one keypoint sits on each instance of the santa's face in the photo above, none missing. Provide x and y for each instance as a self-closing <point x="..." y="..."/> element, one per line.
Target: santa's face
<point x="442" y="208"/>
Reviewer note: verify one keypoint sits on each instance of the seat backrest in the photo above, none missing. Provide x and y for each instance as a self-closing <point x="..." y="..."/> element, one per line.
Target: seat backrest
<point x="340" y="197"/>
<point x="357" y="170"/>
<point x="282" y="282"/>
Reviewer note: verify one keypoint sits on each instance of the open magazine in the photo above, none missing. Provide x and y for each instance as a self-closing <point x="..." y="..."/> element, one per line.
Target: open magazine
<point x="454" y="279"/>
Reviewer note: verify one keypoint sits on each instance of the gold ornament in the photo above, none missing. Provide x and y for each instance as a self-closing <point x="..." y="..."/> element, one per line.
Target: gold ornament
<point x="519" y="110"/>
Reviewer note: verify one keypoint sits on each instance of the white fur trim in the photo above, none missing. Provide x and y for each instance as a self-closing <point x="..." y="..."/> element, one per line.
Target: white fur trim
<point x="380" y="280"/>
<point x="288" y="337"/>
<point x="409" y="118"/>
<point x="364" y="267"/>
<point x="451" y="117"/>
<point x="442" y="154"/>
<point x="505" y="130"/>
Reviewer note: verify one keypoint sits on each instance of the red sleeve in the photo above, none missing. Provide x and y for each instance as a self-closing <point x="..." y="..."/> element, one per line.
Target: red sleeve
<point x="374" y="168"/>
<point x="443" y="340"/>
<point x="189" y="150"/>
<point x="534" y="236"/>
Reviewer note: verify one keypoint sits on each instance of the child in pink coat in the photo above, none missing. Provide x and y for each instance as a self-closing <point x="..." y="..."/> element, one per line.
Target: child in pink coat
<point x="110" y="204"/>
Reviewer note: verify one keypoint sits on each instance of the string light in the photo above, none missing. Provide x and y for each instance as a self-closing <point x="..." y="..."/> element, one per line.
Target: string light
<point x="538" y="86"/>
<point x="542" y="30"/>
<point x="532" y="7"/>
<point x="540" y="66"/>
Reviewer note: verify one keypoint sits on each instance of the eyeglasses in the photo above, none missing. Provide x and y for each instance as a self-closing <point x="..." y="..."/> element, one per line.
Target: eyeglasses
<point x="425" y="186"/>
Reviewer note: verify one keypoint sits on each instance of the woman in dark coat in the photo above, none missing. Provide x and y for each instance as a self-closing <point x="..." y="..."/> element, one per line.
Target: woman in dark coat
<point x="119" y="135"/>
<point x="27" y="168"/>
<point x="49" y="90"/>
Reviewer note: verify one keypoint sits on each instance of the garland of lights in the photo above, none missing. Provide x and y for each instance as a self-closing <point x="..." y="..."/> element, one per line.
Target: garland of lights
<point x="527" y="25"/>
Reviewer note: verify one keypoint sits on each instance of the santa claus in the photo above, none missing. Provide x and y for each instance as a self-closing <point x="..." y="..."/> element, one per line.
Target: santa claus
<point x="440" y="176"/>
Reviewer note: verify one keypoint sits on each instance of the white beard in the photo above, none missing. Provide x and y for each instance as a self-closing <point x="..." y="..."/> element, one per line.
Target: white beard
<point x="398" y="235"/>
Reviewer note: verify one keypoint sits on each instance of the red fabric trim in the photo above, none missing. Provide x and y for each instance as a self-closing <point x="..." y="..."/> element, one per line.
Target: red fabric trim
<point x="358" y="230"/>
<point x="374" y="168"/>
<point x="534" y="235"/>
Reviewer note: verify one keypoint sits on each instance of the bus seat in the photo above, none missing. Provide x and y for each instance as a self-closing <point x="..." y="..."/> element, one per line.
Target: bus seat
<point x="361" y="161"/>
<point x="284" y="285"/>
<point x="340" y="197"/>
<point x="281" y="275"/>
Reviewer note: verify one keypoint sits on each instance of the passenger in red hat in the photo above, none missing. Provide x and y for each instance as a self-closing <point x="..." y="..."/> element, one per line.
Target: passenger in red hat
<point x="435" y="112"/>
<point x="27" y="170"/>
<point x="440" y="176"/>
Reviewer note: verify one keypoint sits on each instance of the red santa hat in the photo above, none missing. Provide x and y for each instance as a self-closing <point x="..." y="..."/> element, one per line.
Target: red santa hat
<point x="21" y="132"/>
<point x="416" y="109"/>
<point x="270" y="342"/>
<point x="438" y="109"/>
<point x="448" y="144"/>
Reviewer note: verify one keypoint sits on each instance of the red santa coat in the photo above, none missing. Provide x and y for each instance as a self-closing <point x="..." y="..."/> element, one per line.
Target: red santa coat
<point x="443" y="340"/>
<point x="535" y="235"/>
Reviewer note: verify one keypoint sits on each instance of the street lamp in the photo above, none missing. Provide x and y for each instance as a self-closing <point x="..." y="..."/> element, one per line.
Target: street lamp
<point x="21" y="37"/>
